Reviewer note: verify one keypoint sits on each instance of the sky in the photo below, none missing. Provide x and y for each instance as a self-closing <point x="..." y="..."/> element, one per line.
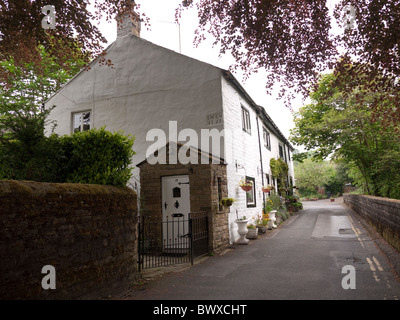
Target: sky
<point x="165" y="32"/>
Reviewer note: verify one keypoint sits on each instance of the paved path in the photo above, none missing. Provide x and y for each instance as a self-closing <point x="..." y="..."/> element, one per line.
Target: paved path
<point x="302" y="259"/>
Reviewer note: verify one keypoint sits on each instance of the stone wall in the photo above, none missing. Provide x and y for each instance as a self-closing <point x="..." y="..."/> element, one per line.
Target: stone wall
<point x="382" y="213"/>
<point x="86" y="232"/>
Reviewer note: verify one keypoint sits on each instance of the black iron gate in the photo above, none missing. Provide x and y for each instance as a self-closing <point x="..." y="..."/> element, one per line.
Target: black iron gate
<point x="174" y="240"/>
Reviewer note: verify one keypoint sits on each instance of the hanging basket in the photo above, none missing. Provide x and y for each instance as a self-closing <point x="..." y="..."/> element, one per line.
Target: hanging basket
<point x="266" y="190"/>
<point x="246" y="188"/>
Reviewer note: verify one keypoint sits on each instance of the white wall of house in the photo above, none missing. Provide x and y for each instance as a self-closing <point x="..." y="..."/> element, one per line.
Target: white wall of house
<point x="243" y="155"/>
<point x="148" y="87"/>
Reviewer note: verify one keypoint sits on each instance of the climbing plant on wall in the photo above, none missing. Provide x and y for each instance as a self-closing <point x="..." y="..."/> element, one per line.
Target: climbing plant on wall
<point x="279" y="169"/>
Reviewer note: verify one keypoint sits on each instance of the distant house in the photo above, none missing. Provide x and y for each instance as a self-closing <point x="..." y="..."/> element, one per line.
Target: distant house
<point x="152" y="89"/>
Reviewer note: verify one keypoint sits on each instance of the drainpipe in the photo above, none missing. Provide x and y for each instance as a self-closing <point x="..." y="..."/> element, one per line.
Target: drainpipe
<point x="259" y="147"/>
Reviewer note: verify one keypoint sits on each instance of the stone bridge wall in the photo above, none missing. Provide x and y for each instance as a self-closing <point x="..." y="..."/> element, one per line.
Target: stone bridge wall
<point x="382" y="213"/>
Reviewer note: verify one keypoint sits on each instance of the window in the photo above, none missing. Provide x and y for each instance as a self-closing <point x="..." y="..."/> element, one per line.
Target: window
<point x="267" y="139"/>
<point x="267" y="179"/>
<point x="251" y="195"/>
<point x="246" y="120"/>
<point x="282" y="152"/>
<point x="81" y="121"/>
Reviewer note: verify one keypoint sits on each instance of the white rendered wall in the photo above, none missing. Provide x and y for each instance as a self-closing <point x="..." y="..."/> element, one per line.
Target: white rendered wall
<point x="243" y="156"/>
<point x="148" y="87"/>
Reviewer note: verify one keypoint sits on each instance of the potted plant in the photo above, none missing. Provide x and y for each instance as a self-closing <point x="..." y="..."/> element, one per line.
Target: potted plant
<point x="267" y="188"/>
<point x="242" y="230"/>
<point x="252" y="231"/>
<point x="262" y="222"/>
<point x="226" y="202"/>
<point x="246" y="185"/>
<point x="332" y="199"/>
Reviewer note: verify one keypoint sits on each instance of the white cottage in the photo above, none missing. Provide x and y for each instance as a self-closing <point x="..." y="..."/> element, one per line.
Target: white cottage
<point x="153" y="90"/>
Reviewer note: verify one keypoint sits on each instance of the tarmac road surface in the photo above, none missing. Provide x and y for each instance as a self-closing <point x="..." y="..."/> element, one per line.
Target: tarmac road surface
<point x="323" y="252"/>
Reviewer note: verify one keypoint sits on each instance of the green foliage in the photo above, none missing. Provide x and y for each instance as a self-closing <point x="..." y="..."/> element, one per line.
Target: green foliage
<point x="275" y="201"/>
<point x="310" y="175"/>
<point x="97" y="157"/>
<point x="280" y="170"/>
<point x="26" y="153"/>
<point x="332" y="125"/>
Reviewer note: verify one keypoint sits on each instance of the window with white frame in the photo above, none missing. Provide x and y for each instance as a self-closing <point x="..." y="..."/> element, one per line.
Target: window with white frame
<point x="251" y="195"/>
<point x="81" y="121"/>
<point x="246" y="120"/>
<point x="267" y="139"/>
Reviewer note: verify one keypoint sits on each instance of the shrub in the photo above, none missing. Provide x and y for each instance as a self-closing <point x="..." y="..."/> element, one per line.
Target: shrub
<point x="93" y="156"/>
<point x="97" y="156"/>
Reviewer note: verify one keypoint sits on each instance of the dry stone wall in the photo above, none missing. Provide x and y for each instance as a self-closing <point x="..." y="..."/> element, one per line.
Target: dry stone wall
<point x="86" y="232"/>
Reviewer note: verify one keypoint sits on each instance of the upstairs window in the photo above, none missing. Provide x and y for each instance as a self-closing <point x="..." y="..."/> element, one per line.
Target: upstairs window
<point x="267" y="139"/>
<point x="246" y="120"/>
<point x="282" y="152"/>
<point x="81" y="121"/>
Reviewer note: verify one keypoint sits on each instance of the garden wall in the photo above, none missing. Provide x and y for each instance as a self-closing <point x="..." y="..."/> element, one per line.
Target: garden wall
<point x="86" y="232"/>
<point x="382" y="213"/>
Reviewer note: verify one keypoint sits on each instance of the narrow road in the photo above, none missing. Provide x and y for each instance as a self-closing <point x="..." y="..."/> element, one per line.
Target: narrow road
<point x="303" y="259"/>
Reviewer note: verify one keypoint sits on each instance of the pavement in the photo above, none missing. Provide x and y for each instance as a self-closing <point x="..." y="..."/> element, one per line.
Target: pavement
<point x="304" y="258"/>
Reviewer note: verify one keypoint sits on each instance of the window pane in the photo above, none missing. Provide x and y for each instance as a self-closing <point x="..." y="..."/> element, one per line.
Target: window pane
<point x="86" y="121"/>
<point x="251" y="195"/>
<point x="243" y="119"/>
<point x="77" y="121"/>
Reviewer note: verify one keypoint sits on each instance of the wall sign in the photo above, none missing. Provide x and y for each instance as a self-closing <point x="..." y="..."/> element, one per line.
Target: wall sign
<point x="215" y="119"/>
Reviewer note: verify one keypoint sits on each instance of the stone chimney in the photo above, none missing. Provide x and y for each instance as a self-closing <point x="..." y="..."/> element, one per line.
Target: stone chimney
<point x="128" y="23"/>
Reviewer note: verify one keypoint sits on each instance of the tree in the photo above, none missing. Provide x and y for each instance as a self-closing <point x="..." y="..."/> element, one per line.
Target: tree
<point x="21" y="29"/>
<point x="311" y="175"/>
<point x="340" y="126"/>
<point x="294" y="42"/>
<point x="25" y="152"/>
<point x="288" y="38"/>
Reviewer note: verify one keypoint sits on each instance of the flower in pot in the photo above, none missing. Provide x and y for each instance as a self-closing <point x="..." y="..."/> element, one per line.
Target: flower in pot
<point x="246" y="185"/>
<point x="267" y="188"/>
<point x="252" y="231"/>
<point x="262" y="222"/>
<point x="332" y="199"/>
<point x="226" y="202"/>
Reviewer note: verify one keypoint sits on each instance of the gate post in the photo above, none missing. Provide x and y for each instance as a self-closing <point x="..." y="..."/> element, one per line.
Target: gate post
<point x="191" y="239"/>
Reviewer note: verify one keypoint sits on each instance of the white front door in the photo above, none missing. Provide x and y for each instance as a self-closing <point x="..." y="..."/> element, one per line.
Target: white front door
<point x="176" y="208"/>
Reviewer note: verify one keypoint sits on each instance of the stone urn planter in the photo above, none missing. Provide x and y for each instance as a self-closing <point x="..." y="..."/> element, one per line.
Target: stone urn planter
<point x="262" y="229"/>
<point x="272" y="219"/>
<point x="252" y="233"/>
<point x="243" y="231"/>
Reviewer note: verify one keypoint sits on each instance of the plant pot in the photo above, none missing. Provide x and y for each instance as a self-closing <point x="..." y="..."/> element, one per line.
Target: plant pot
<point x="272" y="219"/>
<point x="243" y="231"/>
<point x="332" y="200"/>
<point x="246" y="188"/>
<point x="252" y="233"/>
<point x="262" y="229"/>
<point x="266" y="190"/>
